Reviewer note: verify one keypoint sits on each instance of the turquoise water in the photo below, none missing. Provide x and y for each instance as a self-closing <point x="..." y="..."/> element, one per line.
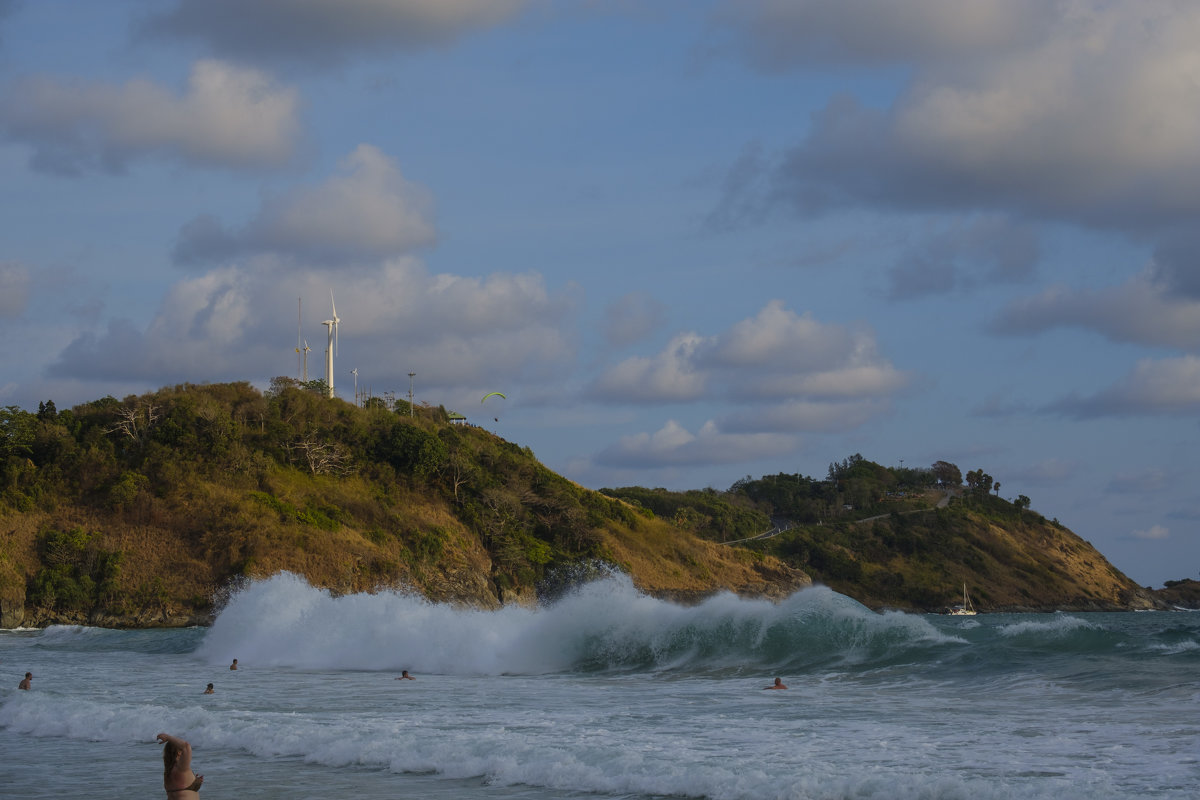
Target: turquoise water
<point x="609" y="694"/>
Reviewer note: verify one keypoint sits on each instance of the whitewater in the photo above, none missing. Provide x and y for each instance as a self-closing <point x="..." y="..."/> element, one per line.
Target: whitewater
<point x="608" y="693"/>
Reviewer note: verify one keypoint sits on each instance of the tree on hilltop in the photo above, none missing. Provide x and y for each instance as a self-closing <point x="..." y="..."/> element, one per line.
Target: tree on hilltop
<point x="947" y="474"/>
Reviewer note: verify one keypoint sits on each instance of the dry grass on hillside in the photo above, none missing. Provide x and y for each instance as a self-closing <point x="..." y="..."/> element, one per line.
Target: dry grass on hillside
<point x="663" y="561"/>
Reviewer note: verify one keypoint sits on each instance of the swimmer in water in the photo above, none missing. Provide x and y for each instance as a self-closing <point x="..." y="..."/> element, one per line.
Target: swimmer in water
<point x="779" y="684"/>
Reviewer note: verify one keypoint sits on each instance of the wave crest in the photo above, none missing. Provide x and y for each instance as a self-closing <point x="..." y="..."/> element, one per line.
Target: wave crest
<point x="603" y="625"/>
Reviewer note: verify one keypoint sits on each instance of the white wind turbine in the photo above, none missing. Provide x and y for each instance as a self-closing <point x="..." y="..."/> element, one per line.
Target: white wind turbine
<point x="355" y="373"/>
<point x="331" y="326"/>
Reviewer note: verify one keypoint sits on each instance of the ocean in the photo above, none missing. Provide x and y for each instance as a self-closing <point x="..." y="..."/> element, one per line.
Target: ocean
<point x="609" y="693"/>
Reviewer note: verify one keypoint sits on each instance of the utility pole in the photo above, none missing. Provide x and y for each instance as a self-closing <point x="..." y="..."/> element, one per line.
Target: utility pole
<point x="410" y="393"/>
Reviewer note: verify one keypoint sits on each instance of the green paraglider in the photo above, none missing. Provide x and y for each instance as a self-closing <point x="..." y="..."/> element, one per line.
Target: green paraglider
<point x="492" y="394"/>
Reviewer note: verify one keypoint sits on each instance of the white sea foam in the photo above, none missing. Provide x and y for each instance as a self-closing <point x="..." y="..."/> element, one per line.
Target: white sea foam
<point x="1059" y="624"/>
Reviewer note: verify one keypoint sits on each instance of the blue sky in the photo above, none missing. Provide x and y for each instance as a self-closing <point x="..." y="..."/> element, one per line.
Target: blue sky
<point x="690" y="241"/>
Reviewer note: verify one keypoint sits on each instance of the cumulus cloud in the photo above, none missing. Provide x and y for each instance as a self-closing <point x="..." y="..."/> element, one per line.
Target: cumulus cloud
<point x="367" y="210"/>
<point x="322" y="33"/>
<point x="14" y="289"/>
<point x="1166" y="387"/>
<point x="1036" y="108"/>
<point x="1141" y="311"/>
<point x="632" y="317"/>
<point x="670" y="376"/>
<point x="1153" y="533"/>
<point x="775" y="356"/>
<point x="227" y="117"/>
<point x="674" y="445"/>
<point x="238" y="323"/>
<point x="787" y="373"/>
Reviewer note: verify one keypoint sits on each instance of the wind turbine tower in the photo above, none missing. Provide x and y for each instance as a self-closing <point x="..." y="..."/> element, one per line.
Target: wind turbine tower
<point x="331" y="328"/>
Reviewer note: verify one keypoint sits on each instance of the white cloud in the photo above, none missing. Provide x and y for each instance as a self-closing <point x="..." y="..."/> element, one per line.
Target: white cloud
<point x="239" y="323"/>
<point x="322" y="32"/>
<point x="367" y="210"/>
<point x="1059" y="109"/>
<point x="787" y="373"/>
<point x="775" y="355"/>
<point x="780" y="340"/>
<point x="672" y="376"/>
<point x="1153" y="533"/>
<point x="228" y="117"/>
<point x="673" y="445"/>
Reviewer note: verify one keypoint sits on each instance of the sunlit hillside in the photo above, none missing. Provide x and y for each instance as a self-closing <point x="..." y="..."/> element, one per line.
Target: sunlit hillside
<point x="145" y="510"/>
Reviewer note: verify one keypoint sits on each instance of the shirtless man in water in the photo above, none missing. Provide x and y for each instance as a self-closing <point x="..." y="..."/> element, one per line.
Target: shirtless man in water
<point x="27" y="683"/>
<point x="779" y="684"/>
<point x="178" y="779"/>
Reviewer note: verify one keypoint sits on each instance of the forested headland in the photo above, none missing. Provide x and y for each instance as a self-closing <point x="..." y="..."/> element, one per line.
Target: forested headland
<point x="907" y="538"/>
<point x="146" y="510"/>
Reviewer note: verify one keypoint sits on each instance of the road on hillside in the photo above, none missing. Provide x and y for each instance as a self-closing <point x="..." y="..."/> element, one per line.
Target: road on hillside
<point x="782" y="525"/>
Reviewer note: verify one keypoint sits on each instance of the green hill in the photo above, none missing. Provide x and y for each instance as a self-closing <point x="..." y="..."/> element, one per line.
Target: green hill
<point x="141" y="511"/>
<point x="907" y="538"/>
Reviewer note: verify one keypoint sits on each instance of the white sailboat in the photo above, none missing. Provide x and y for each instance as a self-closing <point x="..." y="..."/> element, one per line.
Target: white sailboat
<point x="966" y="609"/>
